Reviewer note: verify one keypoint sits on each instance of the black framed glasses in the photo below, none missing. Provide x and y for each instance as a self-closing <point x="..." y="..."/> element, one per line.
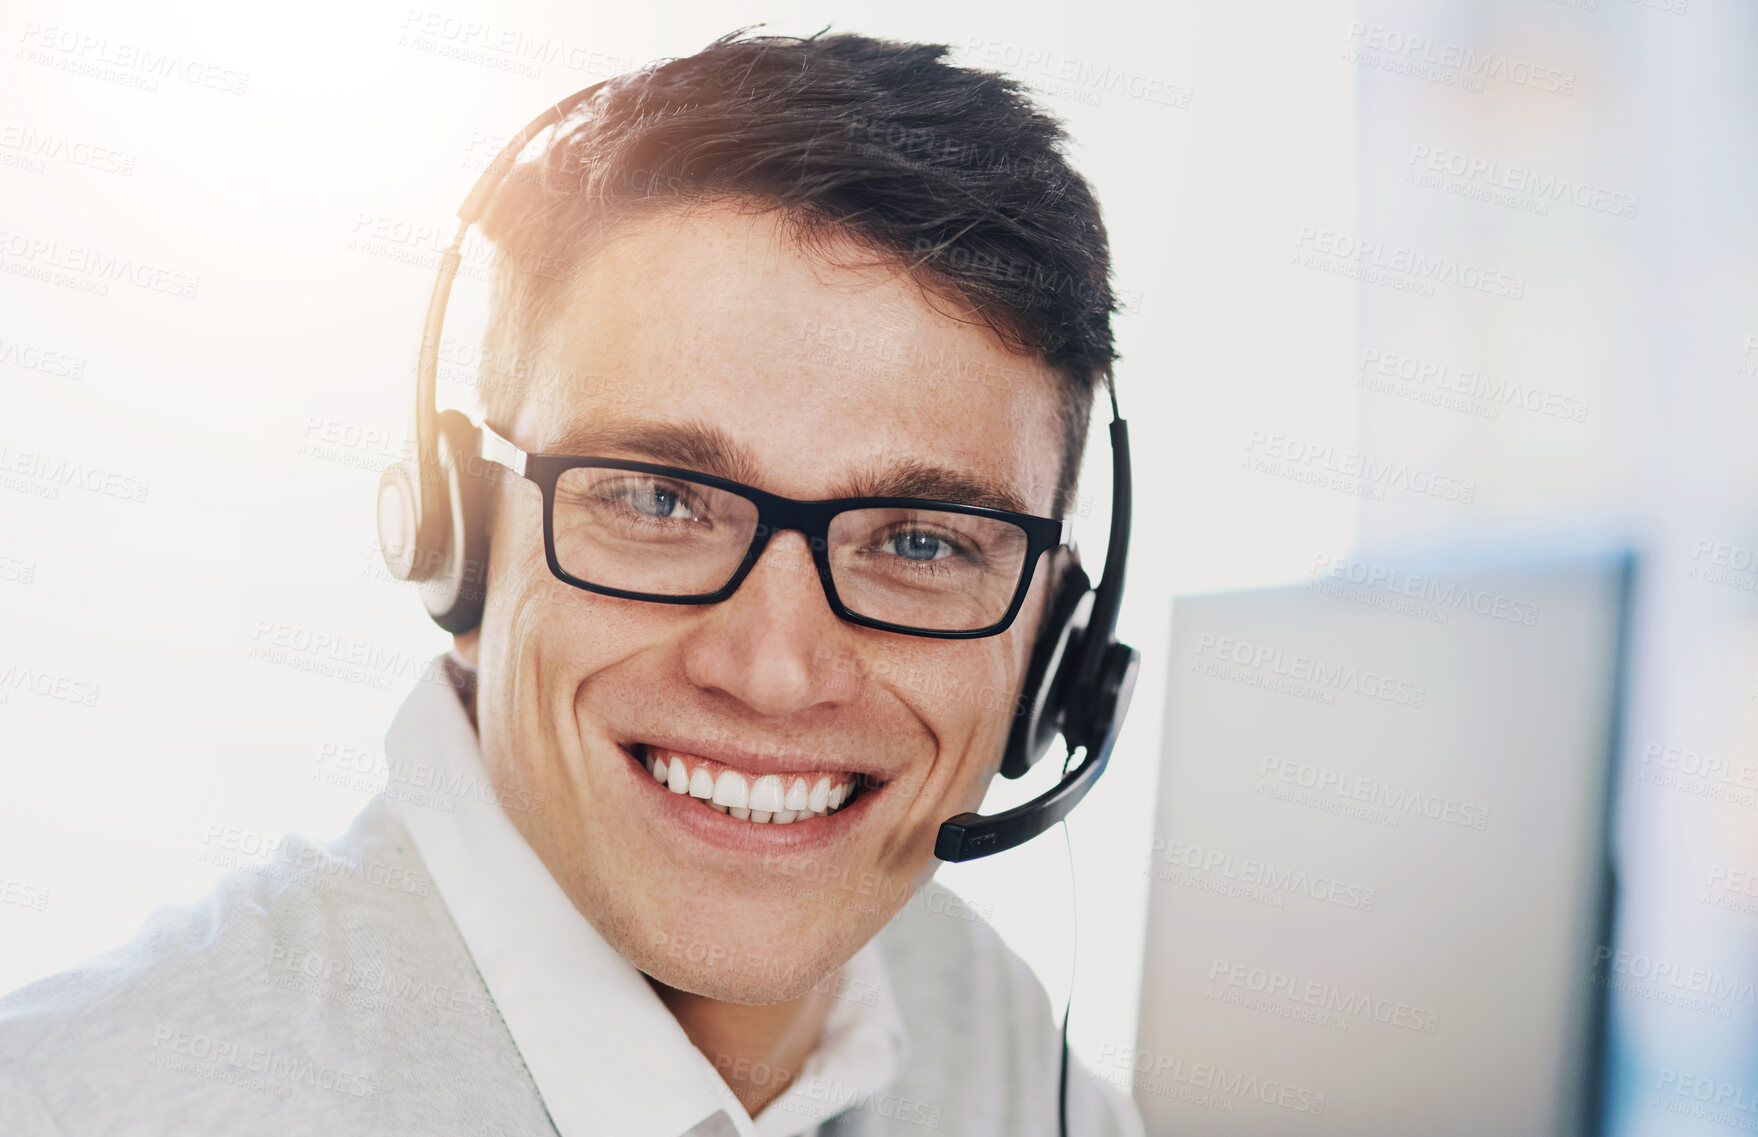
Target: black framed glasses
<point x="642" y="531"/>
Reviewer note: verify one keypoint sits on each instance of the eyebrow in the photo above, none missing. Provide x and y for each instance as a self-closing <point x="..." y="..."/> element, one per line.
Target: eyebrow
<point x="708" y="449"/>
<point x="914" y="478"/>
<point x="691" y="445"/>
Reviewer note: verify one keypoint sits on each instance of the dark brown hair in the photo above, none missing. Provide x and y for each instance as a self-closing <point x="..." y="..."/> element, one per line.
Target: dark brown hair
<point x="950" y="172"/>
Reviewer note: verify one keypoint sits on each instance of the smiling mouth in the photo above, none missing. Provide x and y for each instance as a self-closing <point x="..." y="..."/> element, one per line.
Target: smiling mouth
<point x="763" y="799"/>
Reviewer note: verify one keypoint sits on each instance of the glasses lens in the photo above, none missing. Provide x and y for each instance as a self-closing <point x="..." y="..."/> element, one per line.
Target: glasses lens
<point x="646" y="533"/>
<point x="926" y="568"/>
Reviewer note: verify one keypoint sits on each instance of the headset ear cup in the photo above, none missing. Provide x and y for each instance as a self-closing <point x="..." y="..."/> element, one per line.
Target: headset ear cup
<point x="399" y="520"/>
<point x="1105" y="701"/>
<point x="455" y="590"/>
<point x="1043" y="696"/>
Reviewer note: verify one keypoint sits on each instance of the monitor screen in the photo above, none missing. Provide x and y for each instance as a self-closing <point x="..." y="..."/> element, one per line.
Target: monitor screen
<point x="1379" y="867"/>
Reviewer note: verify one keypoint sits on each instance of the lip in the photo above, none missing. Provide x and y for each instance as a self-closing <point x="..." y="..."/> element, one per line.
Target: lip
<point x="712" y="827"/>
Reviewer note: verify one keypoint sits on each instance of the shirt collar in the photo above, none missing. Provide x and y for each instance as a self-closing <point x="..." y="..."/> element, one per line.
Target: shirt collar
<point x="605" y="1053"/>
<point x="863" y="1048"/>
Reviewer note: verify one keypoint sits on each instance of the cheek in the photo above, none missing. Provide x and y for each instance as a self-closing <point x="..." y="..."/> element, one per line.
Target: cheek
<point x="972" y="712"/>
<point x="989" y="709"/>
<point x="537" y="631"/>
<point x="543" y="640"/>
<point x="517" y="573"/>
<point x="528" y="607"/>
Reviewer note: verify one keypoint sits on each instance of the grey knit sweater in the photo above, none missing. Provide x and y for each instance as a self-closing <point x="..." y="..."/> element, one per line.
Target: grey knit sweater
<point x="215" y="1019"/>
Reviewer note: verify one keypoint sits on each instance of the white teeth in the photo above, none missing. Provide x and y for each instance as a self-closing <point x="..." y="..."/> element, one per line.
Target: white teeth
<point x="730" y="790"/>
<point x="766" y="794"/>
<point x="772" y="799"/>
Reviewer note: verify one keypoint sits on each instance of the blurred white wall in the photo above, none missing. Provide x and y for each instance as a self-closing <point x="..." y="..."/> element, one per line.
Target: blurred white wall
<point x="1598" y="386"/>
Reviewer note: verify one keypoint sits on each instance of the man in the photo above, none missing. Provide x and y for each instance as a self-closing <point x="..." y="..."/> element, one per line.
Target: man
<point x="695" y="898"/>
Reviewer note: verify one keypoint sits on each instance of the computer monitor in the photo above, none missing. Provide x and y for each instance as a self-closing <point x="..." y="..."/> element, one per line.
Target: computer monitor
<point x="1380" y="864"/>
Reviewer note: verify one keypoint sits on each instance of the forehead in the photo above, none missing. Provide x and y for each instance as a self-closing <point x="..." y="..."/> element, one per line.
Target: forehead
<point x="825" y="366"/>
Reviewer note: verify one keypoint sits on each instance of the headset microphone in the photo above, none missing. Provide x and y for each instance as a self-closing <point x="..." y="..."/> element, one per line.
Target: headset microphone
<point x="433" y="531"/>
<point x="1079" y="681"/>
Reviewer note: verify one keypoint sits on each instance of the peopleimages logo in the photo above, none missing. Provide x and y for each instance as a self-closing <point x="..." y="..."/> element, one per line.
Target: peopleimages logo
<point x="1310" y="669"/>
<point x="49" y="685"/>
<point x="1545" y="188"/>
<point x="1445" y="594"/>
<point x="1325" y="787"/>
<point x="296" y="1069"/>
<point x="504" y="48"/>
<point x="34" y="358"/>
<point x="1463" y="61"/>
<point x="822" y="1090"/>
<point x="1733" y="880"/>
<point x="1324" y="996"/>
<point x="36" y="256"/>
<point x="338" y="656"/>
<point x="22" y="894"/>
<point x="1363" y="471"/>
<point x="933" y="684"/>
<point x="42" y="476"/>
<point x="138" y="65"/>
<point x="1259" y="873"/>
<point x="1160" y="1073"/>
<point x="1699" y="774"/>
<point x="34" y="149"/>
<point x="1417" y="265"/>
<point x="1079" y="79"/>
<point x="1472" y="392"/>
<point x="1733" y="1105"/>
<point x="1669" y="981"/>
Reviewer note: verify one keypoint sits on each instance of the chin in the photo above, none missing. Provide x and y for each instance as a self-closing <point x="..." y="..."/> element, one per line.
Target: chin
<point x="733" y="958"/>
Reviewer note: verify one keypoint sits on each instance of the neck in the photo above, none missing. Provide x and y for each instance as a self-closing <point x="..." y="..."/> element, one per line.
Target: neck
<point x="758" y="1051"/>
<point x="463" y="679"/>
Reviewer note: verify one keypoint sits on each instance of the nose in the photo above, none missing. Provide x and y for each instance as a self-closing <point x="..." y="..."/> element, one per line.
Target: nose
<point x="774" y="644"/>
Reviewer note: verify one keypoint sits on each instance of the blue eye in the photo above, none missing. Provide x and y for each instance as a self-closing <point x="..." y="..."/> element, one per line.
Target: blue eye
<point x="653" y="499"/>
<point x="658" y="502"/>
<point x="919" y="546"/>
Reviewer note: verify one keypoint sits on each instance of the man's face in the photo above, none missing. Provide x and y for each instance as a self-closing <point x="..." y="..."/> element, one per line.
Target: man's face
<point x="712" y="341"/>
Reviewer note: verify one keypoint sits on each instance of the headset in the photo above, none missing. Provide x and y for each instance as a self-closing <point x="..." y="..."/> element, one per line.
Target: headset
<point x="433" y="531"/>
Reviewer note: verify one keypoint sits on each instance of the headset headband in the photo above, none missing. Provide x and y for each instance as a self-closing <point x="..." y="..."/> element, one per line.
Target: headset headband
<point x="424" y="414"/>
<point x="1080" y="680"/>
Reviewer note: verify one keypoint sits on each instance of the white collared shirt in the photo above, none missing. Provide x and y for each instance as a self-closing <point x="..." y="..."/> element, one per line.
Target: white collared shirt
<point x="605" y="1053"/>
